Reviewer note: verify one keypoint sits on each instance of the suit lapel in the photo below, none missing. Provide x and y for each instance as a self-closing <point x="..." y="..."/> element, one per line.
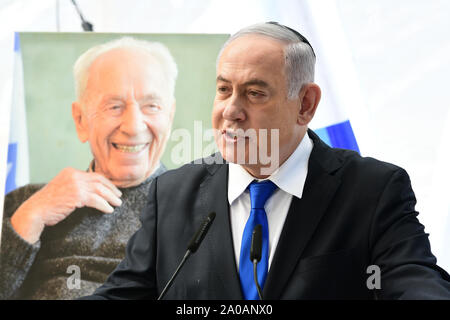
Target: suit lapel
<point x="213" y="193"/>
<point x="303" y="217"/>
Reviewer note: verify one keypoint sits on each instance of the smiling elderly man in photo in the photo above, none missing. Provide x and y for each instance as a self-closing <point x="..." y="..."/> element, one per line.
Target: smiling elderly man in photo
<point x="81" y="221"/>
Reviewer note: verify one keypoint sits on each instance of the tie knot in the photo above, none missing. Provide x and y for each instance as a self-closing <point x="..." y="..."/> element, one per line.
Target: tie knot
<point x="260" y="192"/>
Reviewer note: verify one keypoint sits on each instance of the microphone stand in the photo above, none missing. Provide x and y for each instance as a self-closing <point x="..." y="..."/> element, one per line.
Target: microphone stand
<point x="255" y="255"/>
<point x="192" y="248"/>
<point x="255" y="277"/>
<point x="169" y="284"/>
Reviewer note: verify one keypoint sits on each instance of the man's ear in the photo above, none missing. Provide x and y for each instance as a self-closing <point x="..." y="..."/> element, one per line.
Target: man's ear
<point x="309" y="98"/>
<point x="80" y="122"/>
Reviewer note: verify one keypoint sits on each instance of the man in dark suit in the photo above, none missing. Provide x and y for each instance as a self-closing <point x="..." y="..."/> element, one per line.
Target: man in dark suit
<point x="335" y="225"/>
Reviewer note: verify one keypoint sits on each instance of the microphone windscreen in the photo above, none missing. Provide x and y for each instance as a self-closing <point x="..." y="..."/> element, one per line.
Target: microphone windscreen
<point x="201" y="232"/>
<point x="256" y="246"/>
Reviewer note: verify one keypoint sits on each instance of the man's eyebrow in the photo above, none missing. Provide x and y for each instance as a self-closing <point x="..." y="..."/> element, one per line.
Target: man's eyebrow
<point x="117" y="97"/>
<point x="220" y="78"/>
<point x="109" y="97"/>
<point x="112" y="98"/>
<point x="254" y="82"/>
<point x="150" y="97"/>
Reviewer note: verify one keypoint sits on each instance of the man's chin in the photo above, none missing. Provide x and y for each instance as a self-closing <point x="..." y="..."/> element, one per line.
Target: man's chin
<point x="129" y="178"/>
<point x="233" y="157"/>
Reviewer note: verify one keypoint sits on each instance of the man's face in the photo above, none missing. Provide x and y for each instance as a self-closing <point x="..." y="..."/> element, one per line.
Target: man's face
<point x="125" y="114"/>
<point x="251" y="93"/>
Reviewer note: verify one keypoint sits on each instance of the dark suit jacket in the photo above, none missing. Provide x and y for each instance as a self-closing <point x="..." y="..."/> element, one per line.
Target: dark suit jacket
<point x="355" y="212"/>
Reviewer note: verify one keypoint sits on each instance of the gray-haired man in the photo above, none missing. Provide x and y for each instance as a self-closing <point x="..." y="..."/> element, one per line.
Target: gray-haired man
<point x="124" y="109"/>
<point x="326" y="215"/>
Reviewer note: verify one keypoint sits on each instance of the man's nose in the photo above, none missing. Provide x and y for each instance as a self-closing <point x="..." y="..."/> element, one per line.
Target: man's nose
<point x="133" y="120"/>
<point x="234" y="109"/>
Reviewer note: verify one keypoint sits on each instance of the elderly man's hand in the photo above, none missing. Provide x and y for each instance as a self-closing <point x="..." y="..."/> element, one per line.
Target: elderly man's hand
<point x="69" y="190"/>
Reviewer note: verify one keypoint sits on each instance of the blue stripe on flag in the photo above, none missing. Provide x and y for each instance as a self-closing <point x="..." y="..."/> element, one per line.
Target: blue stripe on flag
<point x="323" y="134"/>
<point x="11" y="168"/>
<point x="17" y="165"/>
<point x="16" y="42"/>
<point x="339" y="135"/>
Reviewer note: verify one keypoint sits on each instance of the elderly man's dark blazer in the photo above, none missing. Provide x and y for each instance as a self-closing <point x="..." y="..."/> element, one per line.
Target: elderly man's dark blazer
<point x="355" y="212"/>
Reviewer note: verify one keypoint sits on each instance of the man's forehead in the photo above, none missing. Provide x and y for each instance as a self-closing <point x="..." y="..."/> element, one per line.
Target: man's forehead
<point x="123" y="55"/>
<point x="122" y="67"/>
<point x="252" y="60"/>
<point x="253" y="49"/>
<point x="124" y="64"/>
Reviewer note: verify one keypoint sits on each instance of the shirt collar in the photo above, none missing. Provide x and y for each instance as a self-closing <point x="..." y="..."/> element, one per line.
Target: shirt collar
<point x="290" y="177"/>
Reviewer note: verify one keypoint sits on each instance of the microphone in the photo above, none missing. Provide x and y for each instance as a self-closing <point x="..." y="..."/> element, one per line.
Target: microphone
<point x="255" y="255"/>
<point x="192" y="248"/>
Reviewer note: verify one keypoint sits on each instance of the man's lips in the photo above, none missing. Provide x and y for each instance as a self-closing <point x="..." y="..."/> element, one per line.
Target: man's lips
<point x="234" y="135"/>
<point x="130" y="148"/>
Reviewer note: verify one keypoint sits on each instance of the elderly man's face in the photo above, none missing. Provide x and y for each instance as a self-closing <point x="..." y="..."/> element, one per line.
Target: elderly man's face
<point x="251" y="92"/>
<point x="125" y="114"/>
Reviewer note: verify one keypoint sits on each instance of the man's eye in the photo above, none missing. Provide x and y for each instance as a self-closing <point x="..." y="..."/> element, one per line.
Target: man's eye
<point x="115" y="108"/>
<point x="256" y="94"/>
<point x="151" y="107"/>
<point x="222" y="89"/>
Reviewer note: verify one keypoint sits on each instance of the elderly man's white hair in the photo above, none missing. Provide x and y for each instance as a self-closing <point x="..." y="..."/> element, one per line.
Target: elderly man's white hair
<point x="155" y="49"/>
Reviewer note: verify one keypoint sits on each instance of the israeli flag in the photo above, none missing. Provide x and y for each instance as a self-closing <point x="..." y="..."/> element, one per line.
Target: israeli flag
<point x="338" y="135"/>
<point x="17" y="160"/>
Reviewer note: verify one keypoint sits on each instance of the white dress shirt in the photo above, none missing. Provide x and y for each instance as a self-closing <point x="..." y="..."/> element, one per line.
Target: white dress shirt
<point x="290" y="179"/>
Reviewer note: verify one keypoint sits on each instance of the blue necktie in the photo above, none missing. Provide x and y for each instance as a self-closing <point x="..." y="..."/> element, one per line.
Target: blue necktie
<point x="259" y="193"/>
